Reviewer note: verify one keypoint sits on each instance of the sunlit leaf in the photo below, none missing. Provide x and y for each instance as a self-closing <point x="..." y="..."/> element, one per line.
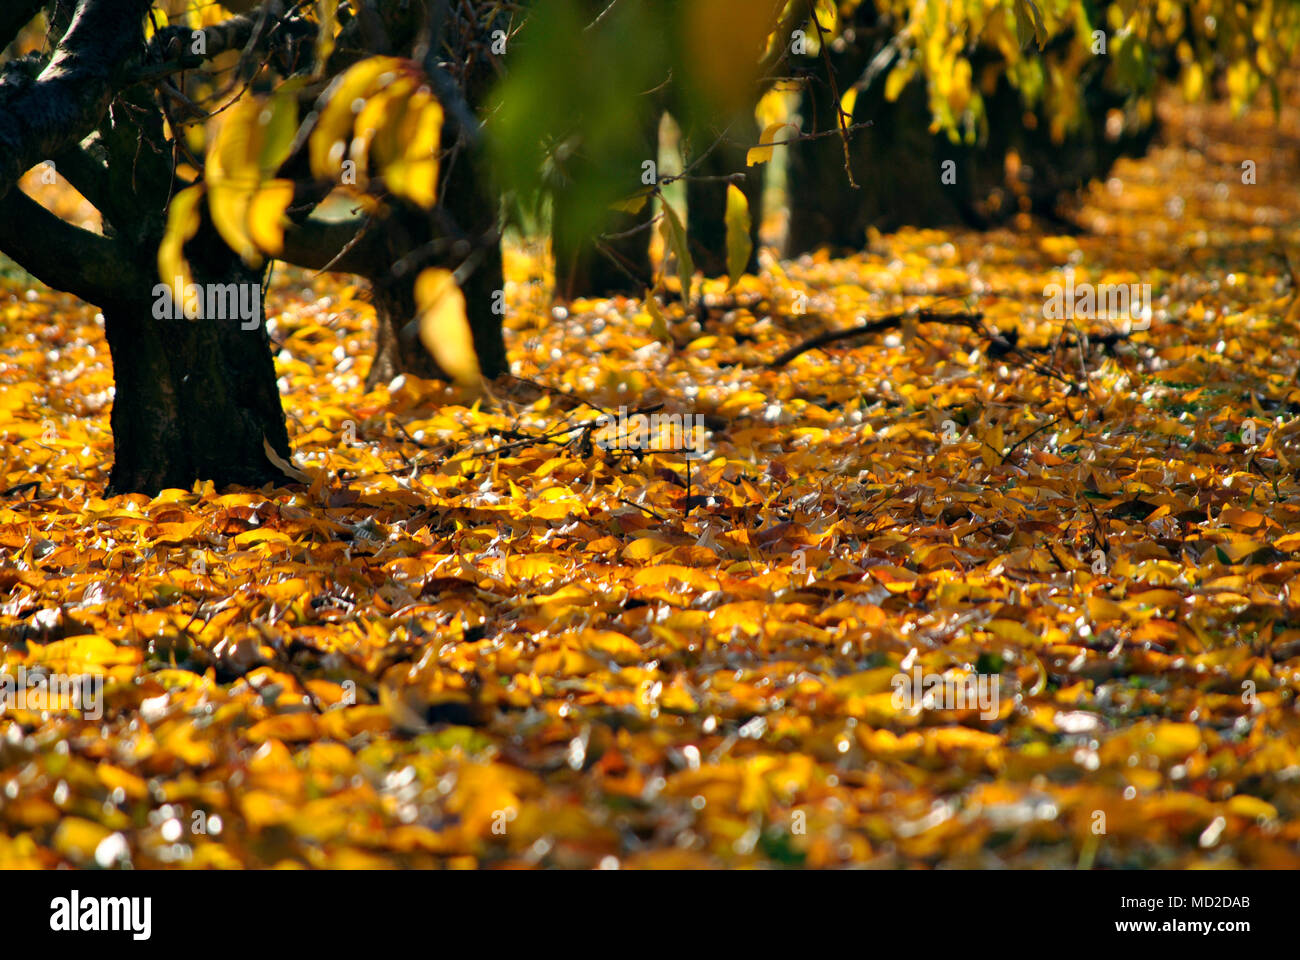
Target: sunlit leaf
<point x="444" y="327"/>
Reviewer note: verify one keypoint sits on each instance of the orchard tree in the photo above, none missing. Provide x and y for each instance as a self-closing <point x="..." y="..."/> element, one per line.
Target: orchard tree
<point x="975" y="111"/>
<point x="213" y="143"/>
<point x="208" y="145"/>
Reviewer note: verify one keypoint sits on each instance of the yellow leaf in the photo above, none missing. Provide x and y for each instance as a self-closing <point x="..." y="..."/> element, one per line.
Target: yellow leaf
<point x="344" y="99"/>
<point x="1244" y="805"/>
<point x="774" y="108"/>
<point x="78" y="838"/>
<point x="644" y="549"/>
<point x="183" y="741"/>
<point x="959" y="93"/>
<point x="182" y="224"/>
<point x="565" y="662"/>
<point x="1029" y="24"/>
<point x="84" y="653"/>
<point x="240" y="157"/>
<point x="898" y="79"/>
<point x="739" y="243"/>
<point x="383" y="111"/>
<point x="658" y="323"/>
<point x="1013" y="631"/>
<point x="116" y="778"/>
<point x="633" y="204"/>
<point x="849" y="101"/>
<point x="289" y="727"/>
<point x="444" y="327"/>
<point x="266" y="220"/>
<point x="1173" y="741"/>
<point x="229" y="209"/>
<point x="253" y="537"/>
<point x="287" y="468"/>
<point x="418" y="131"/>
<point x="1101" y="608"/>
<point x="677" y="699"/>
<point x="1193" y="82"/>
<point x="767" y="143"/>
<point x="614" y="644"/>
<point x="327" y="17"/>
<point x="262" y="808"/>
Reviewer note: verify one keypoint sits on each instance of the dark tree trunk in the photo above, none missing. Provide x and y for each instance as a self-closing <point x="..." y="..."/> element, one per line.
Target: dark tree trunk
<point x="485" y="306"/>
<point x="477" y="210"/>
<point x="395" y="353"/>
<point x="470" y="198"/>
<point x="896" y="162"/>
<point x="195" y="399"/>
<point x="706" y="199"/>
<point x="583" y="269"/>
<point x="618" y="262"/>
<point x="900" y="165"/>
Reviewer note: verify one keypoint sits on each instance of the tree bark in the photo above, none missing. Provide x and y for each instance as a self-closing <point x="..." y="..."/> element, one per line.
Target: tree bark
<point x="901" y="166"/>
<point x="42" y="117"/>
<point x="706" y="199"/>
<point x="195" y="399"/>
<point x="618" y="261"/>
<point x="396" y="354"/>
<point x="476" y="210"/>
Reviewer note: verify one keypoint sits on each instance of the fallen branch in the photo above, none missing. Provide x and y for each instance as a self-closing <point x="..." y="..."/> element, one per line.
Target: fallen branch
<point x="999" y="345"/>
<point x="1027" y="437"/>
<point x="891" y="322"/>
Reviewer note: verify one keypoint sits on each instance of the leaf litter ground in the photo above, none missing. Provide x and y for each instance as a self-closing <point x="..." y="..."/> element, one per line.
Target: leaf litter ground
<point x="477" y="639"/>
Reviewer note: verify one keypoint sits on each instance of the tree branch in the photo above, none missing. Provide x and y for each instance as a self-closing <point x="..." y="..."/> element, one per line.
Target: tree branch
<point x="42" y="118"/>
<point x="344" y="246"/>
<point x="445" y="88"/>
<point x="65" y="257"/>
<point x="172" y="49"/>
<point x="890" y="322"/>
<point x="89" y="176"/>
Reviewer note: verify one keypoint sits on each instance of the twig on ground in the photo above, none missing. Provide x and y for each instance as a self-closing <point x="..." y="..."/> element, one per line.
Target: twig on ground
<point x="891" y="322"/>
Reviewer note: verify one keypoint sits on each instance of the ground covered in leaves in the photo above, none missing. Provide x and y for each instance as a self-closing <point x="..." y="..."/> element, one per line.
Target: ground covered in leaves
<point x="477" y="639"/>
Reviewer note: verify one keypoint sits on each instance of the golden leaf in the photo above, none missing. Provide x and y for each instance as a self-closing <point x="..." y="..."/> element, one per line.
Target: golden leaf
<point x="444" y="327"/>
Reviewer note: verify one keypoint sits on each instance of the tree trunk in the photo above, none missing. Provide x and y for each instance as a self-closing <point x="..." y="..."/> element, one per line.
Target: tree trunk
<point x="195" y="399"/>
<point x="396" y="354"/>
<point x="823" y="208"/>
<point x="898" y="164"/>
<point x="476" y="209"/>
<point x="618" y="263"/>
<point x="619" y="266"/>
<point x="706" y="199"/>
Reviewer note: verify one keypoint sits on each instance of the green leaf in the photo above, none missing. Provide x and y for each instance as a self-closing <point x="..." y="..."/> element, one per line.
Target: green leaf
<point x="1029" y="24"/>
<point x="327" y="14"/>
<point x="675" y="236"/>
<point x="281" y="126"/>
